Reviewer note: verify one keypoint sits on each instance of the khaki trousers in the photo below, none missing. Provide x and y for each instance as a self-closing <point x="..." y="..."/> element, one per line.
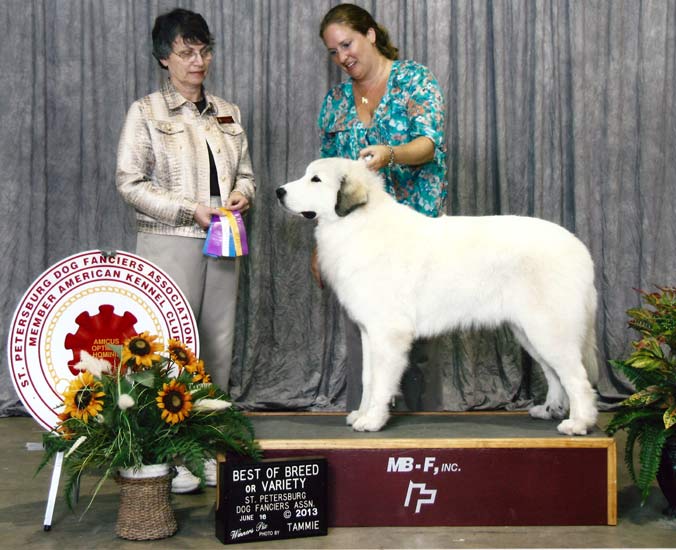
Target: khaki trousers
<point x="209" y="285"/>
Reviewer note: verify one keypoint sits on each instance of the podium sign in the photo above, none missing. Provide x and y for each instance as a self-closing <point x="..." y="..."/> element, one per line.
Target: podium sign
<point x="271" y="499"/>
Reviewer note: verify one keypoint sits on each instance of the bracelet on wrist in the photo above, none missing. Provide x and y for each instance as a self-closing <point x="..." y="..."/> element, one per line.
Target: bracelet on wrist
<point x="390" y="163"/>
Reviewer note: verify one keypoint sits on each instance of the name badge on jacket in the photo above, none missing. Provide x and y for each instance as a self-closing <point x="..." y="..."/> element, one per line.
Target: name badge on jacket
<point x="225" y="119"/>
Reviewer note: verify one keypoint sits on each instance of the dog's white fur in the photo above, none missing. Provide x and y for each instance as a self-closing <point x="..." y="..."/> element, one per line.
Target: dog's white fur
<point x="401" y="275"/>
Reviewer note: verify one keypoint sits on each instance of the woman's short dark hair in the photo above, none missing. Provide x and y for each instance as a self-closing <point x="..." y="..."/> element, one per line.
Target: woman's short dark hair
<point x="358" y="19"/>
<point x="179" y="22"/>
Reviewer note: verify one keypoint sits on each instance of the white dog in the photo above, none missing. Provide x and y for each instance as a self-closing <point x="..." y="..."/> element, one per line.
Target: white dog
<point x="401" y="275"/>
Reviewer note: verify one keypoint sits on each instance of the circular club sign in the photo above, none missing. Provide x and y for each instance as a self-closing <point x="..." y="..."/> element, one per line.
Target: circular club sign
<point x="84" y="303"/>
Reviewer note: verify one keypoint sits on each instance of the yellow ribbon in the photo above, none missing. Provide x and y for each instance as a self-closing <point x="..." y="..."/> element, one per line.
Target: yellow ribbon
<point x="234" y="229"/>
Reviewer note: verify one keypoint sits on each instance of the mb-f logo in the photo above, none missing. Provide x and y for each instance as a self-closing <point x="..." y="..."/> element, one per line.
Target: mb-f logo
<point x="418" y="493"/>
<point x="425" y="495"/>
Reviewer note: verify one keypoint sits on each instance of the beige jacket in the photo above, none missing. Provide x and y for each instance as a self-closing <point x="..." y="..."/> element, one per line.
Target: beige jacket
<point x="163" y="160"/>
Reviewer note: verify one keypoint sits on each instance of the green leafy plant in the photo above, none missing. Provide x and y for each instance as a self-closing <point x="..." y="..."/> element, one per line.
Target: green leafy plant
<point x="155" y="406"/>
<point x="649" y="414"/>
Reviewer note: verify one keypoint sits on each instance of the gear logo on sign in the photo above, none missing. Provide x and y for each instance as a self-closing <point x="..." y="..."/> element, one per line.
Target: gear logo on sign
<point x="85" y="303"/>
<point x="95" y="333"/>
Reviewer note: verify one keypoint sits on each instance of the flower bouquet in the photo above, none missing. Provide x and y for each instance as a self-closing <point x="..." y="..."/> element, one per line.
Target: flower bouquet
<point x="156" y="406"/>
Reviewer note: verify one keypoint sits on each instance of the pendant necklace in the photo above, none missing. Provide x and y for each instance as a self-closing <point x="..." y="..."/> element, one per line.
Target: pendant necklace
<point x="377" y="87"/>
<point x="364" y="98"/>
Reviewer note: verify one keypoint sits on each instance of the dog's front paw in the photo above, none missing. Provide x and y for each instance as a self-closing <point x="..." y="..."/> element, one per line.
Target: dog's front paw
<point x="369" y="423"/>
<point x="352" y="417"/>
<point x="572" y="427"/>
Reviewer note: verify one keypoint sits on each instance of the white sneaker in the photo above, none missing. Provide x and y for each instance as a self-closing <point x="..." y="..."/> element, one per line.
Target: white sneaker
<point x="210" y="467"/>
<point x="185" y="481"/>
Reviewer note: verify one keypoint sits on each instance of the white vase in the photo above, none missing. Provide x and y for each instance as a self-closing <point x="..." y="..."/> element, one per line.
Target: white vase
<point x="146" y="471"/>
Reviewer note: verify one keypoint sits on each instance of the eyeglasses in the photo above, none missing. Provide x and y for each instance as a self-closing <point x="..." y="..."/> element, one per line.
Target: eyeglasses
<point x="187" y="56"/>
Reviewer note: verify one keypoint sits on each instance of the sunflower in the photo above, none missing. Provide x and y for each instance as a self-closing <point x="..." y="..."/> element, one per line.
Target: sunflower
<point x="199" y="375"/>
<point x="82" y="398"/>
<point x="180" y="354"/>
<point x="141" y="350"/>
<point x="176" y="402"/>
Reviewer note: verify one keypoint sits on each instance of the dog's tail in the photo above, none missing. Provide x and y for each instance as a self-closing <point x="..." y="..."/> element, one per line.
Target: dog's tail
<point x="589" y="349"/>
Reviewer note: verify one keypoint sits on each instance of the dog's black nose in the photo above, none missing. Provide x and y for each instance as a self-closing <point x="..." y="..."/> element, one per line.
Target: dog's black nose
<point x="280" y="192"/>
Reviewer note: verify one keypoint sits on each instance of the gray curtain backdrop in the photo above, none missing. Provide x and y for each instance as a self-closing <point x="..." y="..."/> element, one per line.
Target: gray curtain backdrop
<point x="557" y="109"/>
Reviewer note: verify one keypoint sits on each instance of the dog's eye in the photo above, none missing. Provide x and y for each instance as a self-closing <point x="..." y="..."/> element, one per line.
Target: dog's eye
<point x="315" y="179"/>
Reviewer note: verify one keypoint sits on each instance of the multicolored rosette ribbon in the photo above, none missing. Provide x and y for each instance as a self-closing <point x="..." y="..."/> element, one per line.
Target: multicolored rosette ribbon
<point x="226" y="236"/>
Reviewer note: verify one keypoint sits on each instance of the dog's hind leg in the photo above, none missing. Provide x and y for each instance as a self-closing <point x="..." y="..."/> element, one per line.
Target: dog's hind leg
<point x="556" y="402"/>
<point x="559" y="349"/>
<point x="388" y="355"/>
<point x="582" y="397"/>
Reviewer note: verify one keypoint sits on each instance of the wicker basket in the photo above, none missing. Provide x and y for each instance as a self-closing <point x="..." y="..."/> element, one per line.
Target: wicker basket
<point x="145" y="511"/>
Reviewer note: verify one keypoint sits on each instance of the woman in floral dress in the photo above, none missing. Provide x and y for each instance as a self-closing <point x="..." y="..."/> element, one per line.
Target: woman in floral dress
<point x="390" y="113"/>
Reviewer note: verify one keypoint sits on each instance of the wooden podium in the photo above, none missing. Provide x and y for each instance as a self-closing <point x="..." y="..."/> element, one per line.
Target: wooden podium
<point x="452" y="469"/>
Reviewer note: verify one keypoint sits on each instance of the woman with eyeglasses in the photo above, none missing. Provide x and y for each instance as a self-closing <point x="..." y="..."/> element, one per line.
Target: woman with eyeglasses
<point x="391" y="113"/>
<point x="182" y="154"/>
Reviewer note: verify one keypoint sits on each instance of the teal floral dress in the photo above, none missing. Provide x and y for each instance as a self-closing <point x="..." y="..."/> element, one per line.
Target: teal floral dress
<point x="412" y="106"/>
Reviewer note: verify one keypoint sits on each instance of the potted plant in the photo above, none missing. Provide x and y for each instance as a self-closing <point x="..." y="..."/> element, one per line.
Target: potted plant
<point x="649" y="414"/>
<point x="156" y="406"/>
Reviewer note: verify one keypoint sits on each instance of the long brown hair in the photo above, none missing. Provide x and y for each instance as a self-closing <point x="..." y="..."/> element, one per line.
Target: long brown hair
<point x="360" y="20"/>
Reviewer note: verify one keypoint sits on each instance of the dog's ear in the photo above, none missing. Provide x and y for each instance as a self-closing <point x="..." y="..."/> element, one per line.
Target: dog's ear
<point x="352" y="194"/>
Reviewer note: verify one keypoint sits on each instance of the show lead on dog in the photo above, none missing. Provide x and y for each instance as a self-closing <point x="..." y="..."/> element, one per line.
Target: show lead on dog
<point x="390" y="113"/>
<point x="182" y="154"/>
